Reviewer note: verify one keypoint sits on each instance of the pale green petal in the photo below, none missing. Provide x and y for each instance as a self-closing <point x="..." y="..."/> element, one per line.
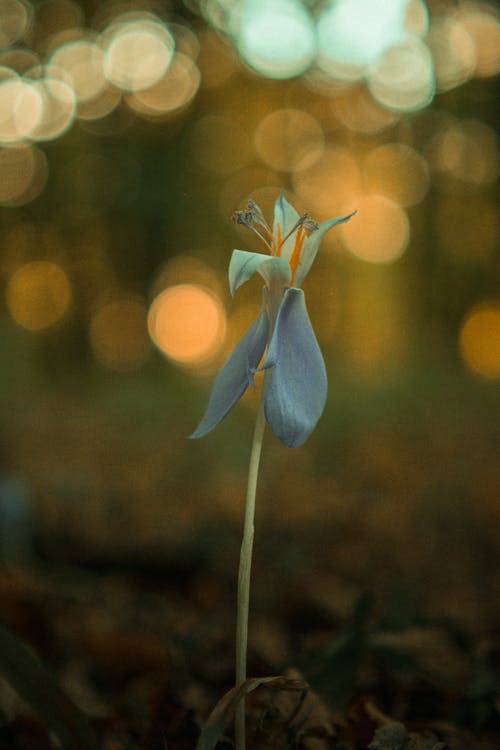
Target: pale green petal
<point x="311" y="246"/>
<point x="275" y="271"/>
<point x="286" y="217"/>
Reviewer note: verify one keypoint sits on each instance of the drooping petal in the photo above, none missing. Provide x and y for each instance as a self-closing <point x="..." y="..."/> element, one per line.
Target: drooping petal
<point x="297" y="386"/>
<point x="311" y="246"/>
<point x="275" y="271"/>
<point x="236" y="375"/>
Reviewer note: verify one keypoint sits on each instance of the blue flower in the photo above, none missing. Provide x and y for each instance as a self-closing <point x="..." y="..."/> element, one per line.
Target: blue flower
<point x="282" y="334"/>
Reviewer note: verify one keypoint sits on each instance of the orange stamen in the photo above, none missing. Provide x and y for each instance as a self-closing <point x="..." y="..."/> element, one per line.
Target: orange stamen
<point x="295" y="257"/>
<point x="277" y="247"/>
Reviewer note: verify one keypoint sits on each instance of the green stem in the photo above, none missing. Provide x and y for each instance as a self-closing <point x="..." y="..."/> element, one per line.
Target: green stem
<point x="245" y="567"/>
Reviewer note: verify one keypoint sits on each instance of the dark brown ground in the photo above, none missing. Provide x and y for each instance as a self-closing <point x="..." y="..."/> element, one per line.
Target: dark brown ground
<point x="375" y="582"/>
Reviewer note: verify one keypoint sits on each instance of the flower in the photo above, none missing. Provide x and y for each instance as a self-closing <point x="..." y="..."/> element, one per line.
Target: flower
<point x="296" y="383"/>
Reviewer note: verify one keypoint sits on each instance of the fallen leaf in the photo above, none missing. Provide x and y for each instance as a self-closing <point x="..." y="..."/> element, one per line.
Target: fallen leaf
<point x="226" y="706"/>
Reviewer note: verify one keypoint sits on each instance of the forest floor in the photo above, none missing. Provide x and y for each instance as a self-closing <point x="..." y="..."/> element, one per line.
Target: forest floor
<point x="375" y="588"/>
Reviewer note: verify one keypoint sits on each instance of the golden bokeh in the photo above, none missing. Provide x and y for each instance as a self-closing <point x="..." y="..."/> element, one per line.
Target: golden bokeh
<point x="83" y="61"/>
<point x="58" y="105"/>
<point x="103" y="104"/>
<point x="403" y="78"/>
<point x="27" y="110"/>
<point x="398" y="172"/>
<point x="38" y="295"/>
<point x="454" y="52"/>
<point x="289" y="140"/>
<point x="11" y="88"/>
<point x="417" y="18"/>
<point x="14" y="21"/>
<point x="331" y="186"/>
<point x="484" y="28"/>
<point x="138" y="52"/>
<point x="467" y="150"/>
<point x="172" y="92"/>
<point x="186" y="40"/>
<point x="180" y="269"/>
<point x="23" y="174"/>
<point x="217" y="60"/>
<point x="118" y="334"/>
<point x="479" y="340"/>
<point x="358" y="111"/>
<point x="187" y="323"/>
<point x="379" y="233"/>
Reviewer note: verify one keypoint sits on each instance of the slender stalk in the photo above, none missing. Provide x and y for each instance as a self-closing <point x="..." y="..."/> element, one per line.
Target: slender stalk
<point x="245" y="566"/>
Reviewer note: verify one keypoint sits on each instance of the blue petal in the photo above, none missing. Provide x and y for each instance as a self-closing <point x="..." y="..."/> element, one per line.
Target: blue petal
<point x="297" y="386"/>
<point x="236" y="375"/>
<point x="311" y="246"/>
<point x="242" y="266"/>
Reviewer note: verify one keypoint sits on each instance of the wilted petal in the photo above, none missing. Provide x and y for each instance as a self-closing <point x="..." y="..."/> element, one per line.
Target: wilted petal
<point x="297" y="387"/>
<point x="311" y="246"/>
<point x="236" y="375"/>
<point x="275" y="271"/>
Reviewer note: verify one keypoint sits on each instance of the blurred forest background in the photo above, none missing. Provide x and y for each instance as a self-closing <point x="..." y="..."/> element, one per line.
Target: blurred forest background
<point x="129" y="134"/>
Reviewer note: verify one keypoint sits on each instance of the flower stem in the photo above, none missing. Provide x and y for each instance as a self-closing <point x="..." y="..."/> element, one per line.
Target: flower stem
<point x="245" y="566"/>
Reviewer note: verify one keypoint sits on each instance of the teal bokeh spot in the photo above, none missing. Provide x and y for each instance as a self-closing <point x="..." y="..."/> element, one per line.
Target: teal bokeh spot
<point x="357" y="32"/>
<point x="275" y="37"/>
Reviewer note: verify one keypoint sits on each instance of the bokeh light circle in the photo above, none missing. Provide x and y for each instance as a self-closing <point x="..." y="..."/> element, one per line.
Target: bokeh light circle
<point x="466" y="150"/>
<point x="354" y="33"/>
<point x="83" y="61"/>
<point x="217" y="59"/>
<point x="38" y="295"/>
<point x="484" y="28"/>
<point x="27" y="111"/>
<point x="23" y="174"/>
<point x="403" y="78"/>
<point x="11" y="90"/>
<point x="58" y="108"/>
<point x="358" y="111"/>
<point x="479" y="340"/>
<point x="181" y="269"/>
<point x="331" y="185"/>
<point x="276" y="38"/>
<point x="417" y="18"/>
<point x="138" y="53"/>
<point x="171" y="93"/>
<point x="187" y="323"/>
<point x="379" y="233"/>
<point x="398" y="172"/>
<point x="103" y="104"/>
<point x="14" y="21"/>
<point x="453" y="51"/>
<point x="289" y="140"/>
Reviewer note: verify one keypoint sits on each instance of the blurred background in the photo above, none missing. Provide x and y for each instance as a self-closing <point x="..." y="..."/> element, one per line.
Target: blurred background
<point x="129" y="134"/>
